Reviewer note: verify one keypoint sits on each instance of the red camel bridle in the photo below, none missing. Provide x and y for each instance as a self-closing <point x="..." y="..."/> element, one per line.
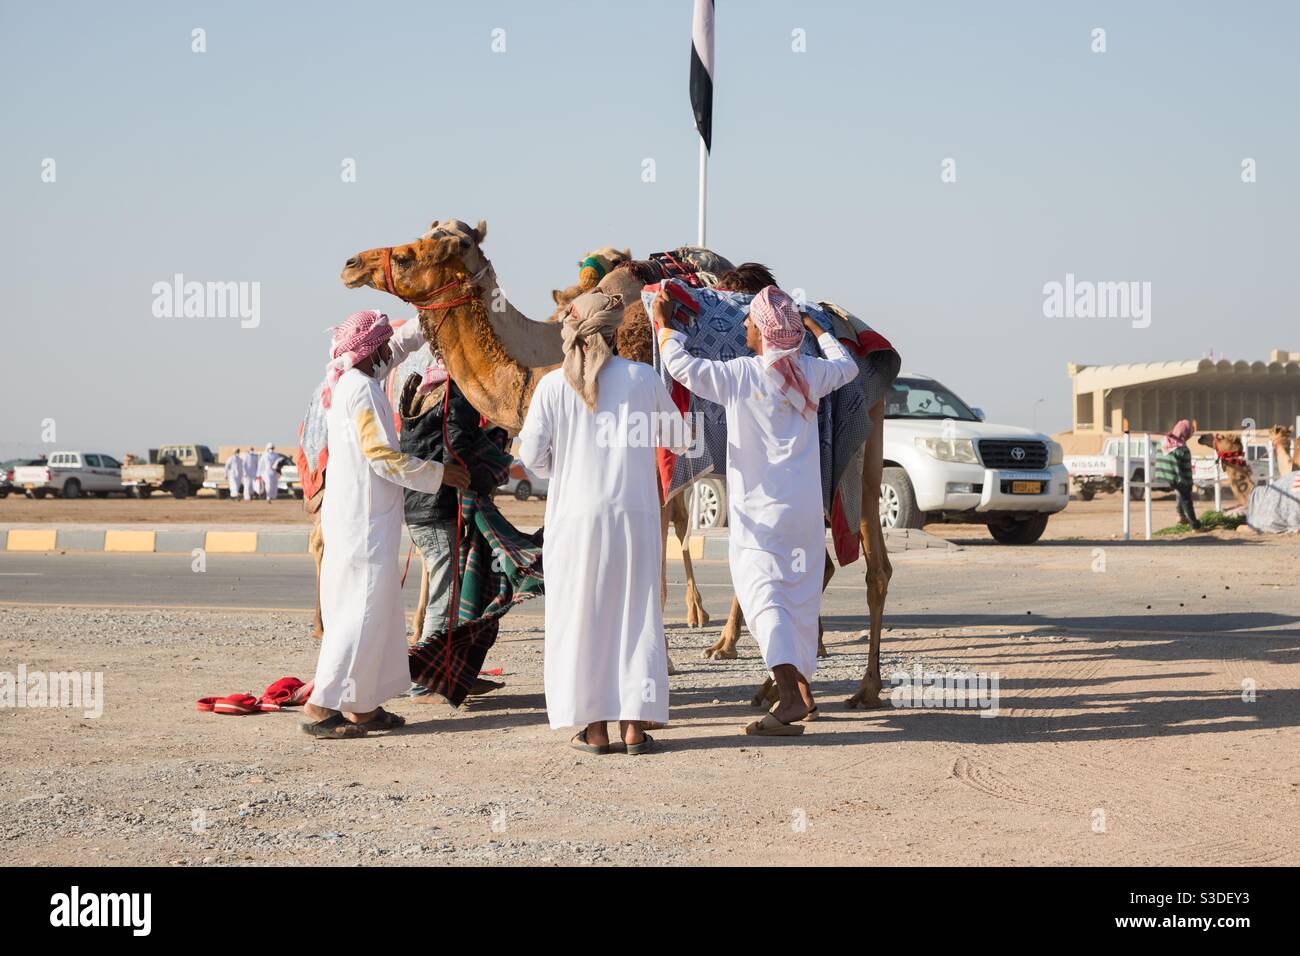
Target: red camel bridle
<point x="431" y="303"/>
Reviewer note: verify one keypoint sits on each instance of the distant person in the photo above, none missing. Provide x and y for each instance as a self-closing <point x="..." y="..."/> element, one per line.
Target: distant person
<point x="250" y="472"/>
<point x="1174" y="466"/>
<point x="605" y="657"/>
<point x="234" y="474"/>
<point x="363" y="654"/>
<point x="777" y="541"/>
<point x="269" y="472"/>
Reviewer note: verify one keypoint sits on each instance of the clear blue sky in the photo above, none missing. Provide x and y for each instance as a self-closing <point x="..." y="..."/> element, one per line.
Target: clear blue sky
<point x="225" y="166"/>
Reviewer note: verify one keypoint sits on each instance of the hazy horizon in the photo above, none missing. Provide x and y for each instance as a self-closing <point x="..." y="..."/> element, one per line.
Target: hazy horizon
<point x="828" y="165"/>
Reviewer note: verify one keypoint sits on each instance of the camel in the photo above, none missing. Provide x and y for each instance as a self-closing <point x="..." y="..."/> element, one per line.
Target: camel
<point x="497" y="356"/>
<point x="1232" y="457"/>
<point x="1280" y="436"/>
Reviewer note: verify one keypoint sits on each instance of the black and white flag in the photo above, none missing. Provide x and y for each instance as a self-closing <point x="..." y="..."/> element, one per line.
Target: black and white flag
<point x="702" y="70"/>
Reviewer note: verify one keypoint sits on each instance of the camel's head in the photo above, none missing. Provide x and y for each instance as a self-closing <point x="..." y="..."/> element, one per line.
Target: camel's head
<point x="416" y="271"/>
<point x="1281" y="434"/>
<point x="598" y="263"/>
<point x="1224" y="443"/>
<point x="562" y="298"/>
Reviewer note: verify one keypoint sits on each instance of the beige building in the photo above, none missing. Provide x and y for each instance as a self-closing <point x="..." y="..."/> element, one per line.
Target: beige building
<point x="1218" y="395"/>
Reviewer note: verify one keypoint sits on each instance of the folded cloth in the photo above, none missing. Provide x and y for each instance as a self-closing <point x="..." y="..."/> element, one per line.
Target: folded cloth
<point x="499" y="566"/>
<point x="1274" y="508"/>
<point x="286" y="692"/>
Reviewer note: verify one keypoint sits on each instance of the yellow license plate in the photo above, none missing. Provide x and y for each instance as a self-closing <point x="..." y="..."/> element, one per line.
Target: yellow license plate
<point x="29" y="486"/>
<point x="1026" y="487"/>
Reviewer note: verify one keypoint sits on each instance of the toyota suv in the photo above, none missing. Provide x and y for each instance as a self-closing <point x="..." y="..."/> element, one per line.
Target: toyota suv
<point x="944" y="463"/>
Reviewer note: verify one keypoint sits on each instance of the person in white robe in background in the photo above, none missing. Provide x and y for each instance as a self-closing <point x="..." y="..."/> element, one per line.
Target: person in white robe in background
<point x="776" y="536"/>
<point x="234" y="474"/>
<point x="592" y="428"/>
<point x="363" y="654"/>
<point x="270" y="477"/>
<point x="250" y="472"/>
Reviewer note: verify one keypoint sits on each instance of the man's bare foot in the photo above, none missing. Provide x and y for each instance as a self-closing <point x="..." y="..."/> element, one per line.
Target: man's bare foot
<point x="360" y="718"/>
<point x="598" y="735"/>
<point x="632" y="731"/>
<point x="314" y="713"/>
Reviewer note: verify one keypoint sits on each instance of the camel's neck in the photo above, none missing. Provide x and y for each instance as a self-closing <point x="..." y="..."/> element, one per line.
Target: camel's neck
<point x="535" y="345"/>
<point x="1285" y="463"/>
<point x="495" y="384"/>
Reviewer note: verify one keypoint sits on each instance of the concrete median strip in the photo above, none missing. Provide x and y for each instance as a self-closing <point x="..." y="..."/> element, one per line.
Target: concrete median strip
<point x="292" y="539"/>
<point x="140" y="541"/>
<point x="231" y="542"/>
<point x="22" y="539"/>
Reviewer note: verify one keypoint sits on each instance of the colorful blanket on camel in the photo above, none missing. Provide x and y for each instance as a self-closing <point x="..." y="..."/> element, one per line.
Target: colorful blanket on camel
<point x="499" y="566"/>
<point x="843" y="419"/>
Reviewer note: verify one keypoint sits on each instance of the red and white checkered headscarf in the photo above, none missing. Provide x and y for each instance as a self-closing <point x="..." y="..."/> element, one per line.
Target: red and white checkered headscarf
<point x="774" y="314"/>
<point x="353" y="341"/>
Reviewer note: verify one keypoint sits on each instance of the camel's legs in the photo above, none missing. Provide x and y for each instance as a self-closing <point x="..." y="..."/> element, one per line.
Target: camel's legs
<point x="725" y="647"/>
<point x="879" y="570"/>
<point x="827" y="574"/>
<point x="665" y="511"/>
<point x="417" y="629"/>
<point x="696" y="616"/>
<point x="316" y="545"/>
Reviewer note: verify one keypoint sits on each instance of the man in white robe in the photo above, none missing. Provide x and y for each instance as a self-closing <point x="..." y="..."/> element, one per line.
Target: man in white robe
<point x="363" y="654"/>
<point x="234" y="474"/>
<point x="592" y="428"/>
<point x="777" y="538"/>
<point x="250" y="472"/>
<point x="270" y="477"/>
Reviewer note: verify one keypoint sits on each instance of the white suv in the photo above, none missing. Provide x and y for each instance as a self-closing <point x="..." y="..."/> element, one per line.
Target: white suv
<point x="944" y="463"/>
<point x="71" y="474"/>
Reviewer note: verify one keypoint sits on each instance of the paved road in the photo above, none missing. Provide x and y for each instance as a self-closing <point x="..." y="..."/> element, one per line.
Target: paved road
<point x="1142" y="591"/>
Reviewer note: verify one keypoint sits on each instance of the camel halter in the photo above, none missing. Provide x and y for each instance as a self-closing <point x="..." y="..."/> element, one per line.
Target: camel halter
<point x="430" y="301"/>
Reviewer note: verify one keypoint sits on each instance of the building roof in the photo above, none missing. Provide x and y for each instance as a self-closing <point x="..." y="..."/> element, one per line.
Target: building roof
<point x="1088" y="378"/>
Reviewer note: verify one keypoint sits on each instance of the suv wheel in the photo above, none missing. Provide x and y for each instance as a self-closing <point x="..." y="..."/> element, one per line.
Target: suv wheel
<point x="898" y="501"/>
<point x="1135" y="489"/>
<point x="1023" y="531"/>
<point x="524" y="490"/>
<point x="72" y="488"/>
<point x="713" y="502"/>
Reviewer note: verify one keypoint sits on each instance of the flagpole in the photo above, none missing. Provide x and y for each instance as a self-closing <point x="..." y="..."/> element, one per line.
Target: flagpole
<point x="704" y="187"/>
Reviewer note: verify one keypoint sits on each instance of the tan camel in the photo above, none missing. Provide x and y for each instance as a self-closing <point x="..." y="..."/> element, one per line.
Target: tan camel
<point x="1280" y="436"/>
<point x="495" y="353"/>
<point x="497" y="356"/>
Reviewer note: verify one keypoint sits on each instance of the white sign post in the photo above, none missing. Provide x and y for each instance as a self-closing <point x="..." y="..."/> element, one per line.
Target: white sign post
<point x="1146" y="481"/>
<point x="1126" y="485"/>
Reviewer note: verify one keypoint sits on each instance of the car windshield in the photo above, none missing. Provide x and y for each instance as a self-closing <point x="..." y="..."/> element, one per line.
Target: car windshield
<point x="925" y="398"/>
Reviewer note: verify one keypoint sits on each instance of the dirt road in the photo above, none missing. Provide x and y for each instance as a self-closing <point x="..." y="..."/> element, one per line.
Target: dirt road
<point x="1147" y="713"/>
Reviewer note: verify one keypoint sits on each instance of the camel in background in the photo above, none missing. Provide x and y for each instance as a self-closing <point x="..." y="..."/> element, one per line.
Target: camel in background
<point x="497" y="356"/>
<point x="1281" y="436"/>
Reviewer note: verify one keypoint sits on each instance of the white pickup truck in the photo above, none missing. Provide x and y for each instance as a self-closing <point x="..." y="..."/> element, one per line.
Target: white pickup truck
<point x="71" y="474"/>
<point x="944" y="463"/>
<point x="1105" y="471"/>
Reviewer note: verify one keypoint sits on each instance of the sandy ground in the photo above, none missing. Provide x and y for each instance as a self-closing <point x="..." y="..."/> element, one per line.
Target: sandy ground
<point x="1124" y="735"/>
